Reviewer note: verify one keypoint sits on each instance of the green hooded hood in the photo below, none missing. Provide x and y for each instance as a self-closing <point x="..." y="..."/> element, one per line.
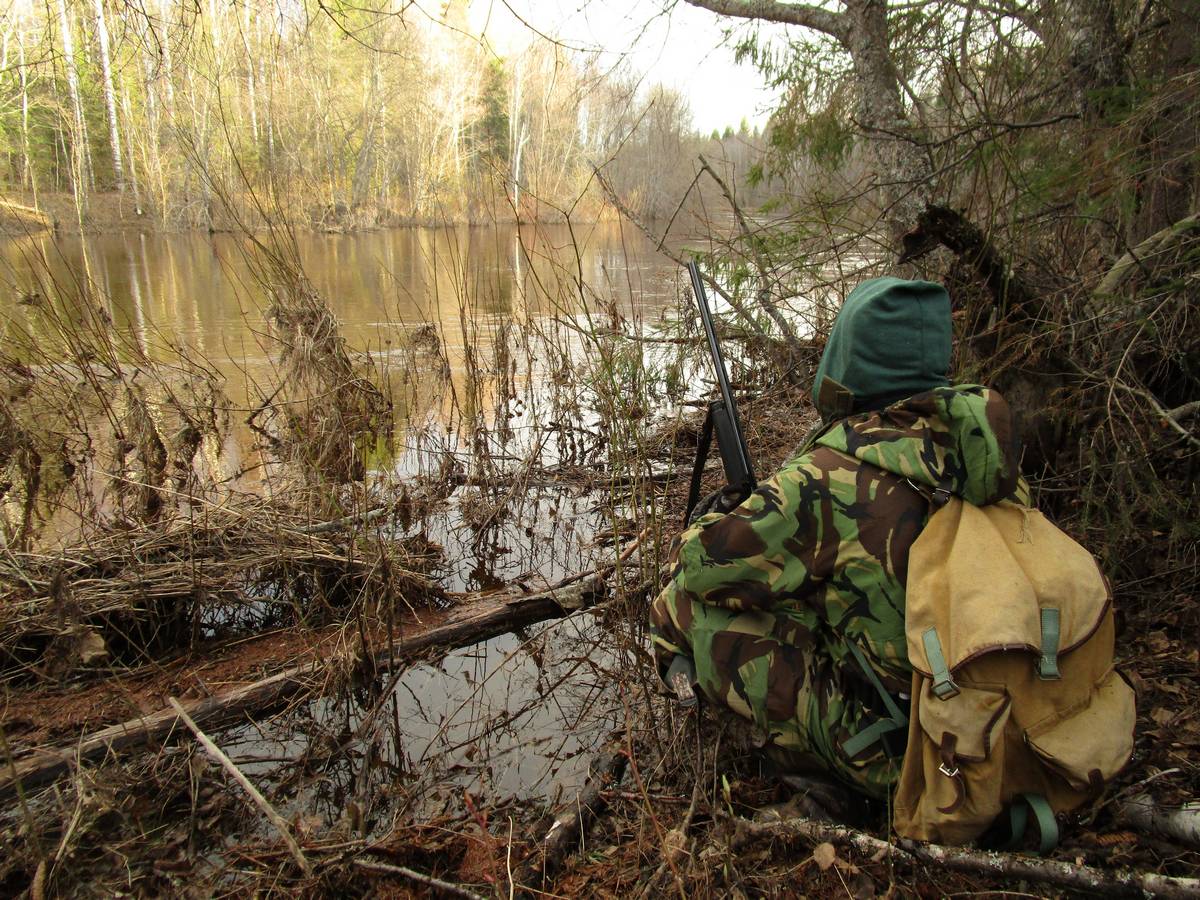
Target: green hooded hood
<point x="891" y="340"/>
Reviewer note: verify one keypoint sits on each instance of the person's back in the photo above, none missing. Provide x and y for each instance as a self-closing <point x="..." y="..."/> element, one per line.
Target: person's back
<point x="791" y="606"/>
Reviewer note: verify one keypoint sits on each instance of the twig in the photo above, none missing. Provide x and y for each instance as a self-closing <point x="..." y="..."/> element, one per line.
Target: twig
<point x="259" y="800"/>
<point x="747" y="319"/>
<point x="446" y="887"/>
<point x="764" y="278"/>
<point x="361" y="518"/>
<point x="1006" y="865"/>
<point x="1163" y="413"/>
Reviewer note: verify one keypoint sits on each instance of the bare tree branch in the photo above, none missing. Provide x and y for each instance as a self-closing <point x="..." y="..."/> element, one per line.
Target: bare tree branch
<point x="742" y="314"/>
<point x="830" y="23"/>
<point x="764" y="277"/>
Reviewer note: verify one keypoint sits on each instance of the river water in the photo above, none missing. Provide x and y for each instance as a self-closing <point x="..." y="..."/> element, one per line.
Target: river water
<point x="461" y="292"/>
<point x="202" y="291"/>
<point x="518" y="715"/>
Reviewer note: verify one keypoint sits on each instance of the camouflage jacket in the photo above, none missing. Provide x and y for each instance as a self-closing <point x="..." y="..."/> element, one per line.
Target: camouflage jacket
<point x="826" y="539"/>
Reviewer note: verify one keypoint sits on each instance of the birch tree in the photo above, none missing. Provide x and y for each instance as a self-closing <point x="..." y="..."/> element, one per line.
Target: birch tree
<point x="80" y="158"/>
<point x="110" y="96"/>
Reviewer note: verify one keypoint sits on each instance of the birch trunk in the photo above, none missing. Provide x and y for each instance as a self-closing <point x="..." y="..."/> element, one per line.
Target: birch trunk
<point x="110" y="97"/>
<point x="251" y="92"/>
<point x="79" y="150"/>
<point x="28" y="177"/>
<point x="365" y="159"/>
<point x="127" y="110"/>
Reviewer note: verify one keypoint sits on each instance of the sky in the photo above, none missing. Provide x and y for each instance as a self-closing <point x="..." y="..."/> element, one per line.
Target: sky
<point x="674" y="44"/>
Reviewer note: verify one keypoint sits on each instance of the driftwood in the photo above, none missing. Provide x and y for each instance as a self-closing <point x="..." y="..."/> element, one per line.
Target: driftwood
<point x="1181" y="824"/>
<point x="570" y="826"/>
<point x="962" y="859"/>
<point x="465" y="624"/>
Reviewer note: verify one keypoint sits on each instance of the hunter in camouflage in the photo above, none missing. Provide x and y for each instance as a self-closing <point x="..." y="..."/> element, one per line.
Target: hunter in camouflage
<point x="791" y="606"/>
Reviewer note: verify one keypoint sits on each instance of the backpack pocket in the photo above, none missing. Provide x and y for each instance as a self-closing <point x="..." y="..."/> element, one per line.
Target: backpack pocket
<point x="962" y="765"/>
<point x="1090" y="742"/>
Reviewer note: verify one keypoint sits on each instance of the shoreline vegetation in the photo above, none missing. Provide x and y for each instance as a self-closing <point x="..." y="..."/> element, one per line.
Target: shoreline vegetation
<point x="396" y="643"/>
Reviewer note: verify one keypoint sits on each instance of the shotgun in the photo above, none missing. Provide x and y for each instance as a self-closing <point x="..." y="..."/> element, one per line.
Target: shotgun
<point x="722" y="417"/>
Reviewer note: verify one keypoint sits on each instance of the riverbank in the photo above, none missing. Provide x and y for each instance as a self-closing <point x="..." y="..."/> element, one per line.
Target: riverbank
<point x="399" y="729"/>
<point x="324" y="719"/>
<point x="110" y="212"/>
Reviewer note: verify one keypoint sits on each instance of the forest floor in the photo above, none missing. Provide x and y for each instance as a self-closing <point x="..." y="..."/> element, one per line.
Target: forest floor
<point x="687" y="809"/>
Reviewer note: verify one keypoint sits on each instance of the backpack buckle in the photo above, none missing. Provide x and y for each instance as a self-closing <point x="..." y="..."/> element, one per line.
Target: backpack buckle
<point x="947" y="771"/>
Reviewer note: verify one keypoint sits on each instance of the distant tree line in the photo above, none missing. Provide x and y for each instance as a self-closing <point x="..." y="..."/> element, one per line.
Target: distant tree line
<point x="323" y="113"/>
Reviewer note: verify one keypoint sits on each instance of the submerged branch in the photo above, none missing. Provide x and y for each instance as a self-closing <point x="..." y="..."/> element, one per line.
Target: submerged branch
<point x="237" y="775"/>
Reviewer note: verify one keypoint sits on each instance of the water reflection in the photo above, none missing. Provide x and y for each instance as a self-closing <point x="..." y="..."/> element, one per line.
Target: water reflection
<point x="478" y="333"/>
<point x="200" y="292"/>
<point x="518" y="716"/>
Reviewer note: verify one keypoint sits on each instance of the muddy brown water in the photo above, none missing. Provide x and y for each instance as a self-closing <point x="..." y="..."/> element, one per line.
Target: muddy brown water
<point x="393" y="292"/>
<point x="518" y="715"/>
<point x="198" y="290"/>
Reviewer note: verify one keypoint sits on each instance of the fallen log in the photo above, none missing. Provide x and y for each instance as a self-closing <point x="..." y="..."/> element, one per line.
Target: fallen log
<point x="1180" y="824"/>
<point x="979" y="862"/>
<point x="465" y="624"/>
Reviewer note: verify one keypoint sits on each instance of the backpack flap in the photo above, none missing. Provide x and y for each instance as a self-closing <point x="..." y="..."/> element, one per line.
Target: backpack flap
<point x="1089" y="743"/>
<point x="1009" y="631"/>
<point x="999" y="577"/>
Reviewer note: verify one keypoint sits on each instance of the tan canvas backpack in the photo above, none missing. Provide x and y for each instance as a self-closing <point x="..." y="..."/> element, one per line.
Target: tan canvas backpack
<point x="1015" y="702"/>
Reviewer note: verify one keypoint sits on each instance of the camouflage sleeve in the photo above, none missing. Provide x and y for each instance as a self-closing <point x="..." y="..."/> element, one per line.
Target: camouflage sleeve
<point x="750" y="557"/>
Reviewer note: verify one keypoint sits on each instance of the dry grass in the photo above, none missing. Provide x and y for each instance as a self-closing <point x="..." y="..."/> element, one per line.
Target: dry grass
<point x="129" y="596"/>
